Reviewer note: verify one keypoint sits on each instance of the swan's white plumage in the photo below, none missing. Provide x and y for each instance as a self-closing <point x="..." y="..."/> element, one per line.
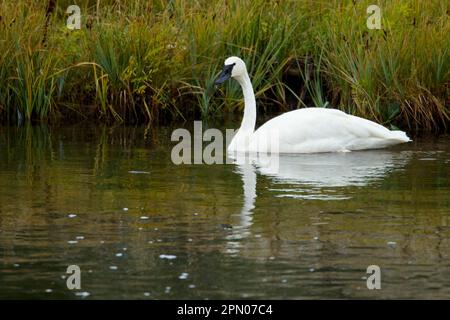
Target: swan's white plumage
<point x="314" y="130"/>
<point x="308" y="130"/>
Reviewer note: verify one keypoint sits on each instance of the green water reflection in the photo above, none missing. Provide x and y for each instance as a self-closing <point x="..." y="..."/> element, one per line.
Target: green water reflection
<point x="110" y="201"/>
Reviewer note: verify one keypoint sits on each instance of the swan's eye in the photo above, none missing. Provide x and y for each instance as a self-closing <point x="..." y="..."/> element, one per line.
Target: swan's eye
<point x="229" y="68"/>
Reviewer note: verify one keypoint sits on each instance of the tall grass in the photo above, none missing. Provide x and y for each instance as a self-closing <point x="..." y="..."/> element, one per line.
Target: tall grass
<point x="28" y="71"/>
<point x="400" y="72"/>
<point x="140" y="61"/>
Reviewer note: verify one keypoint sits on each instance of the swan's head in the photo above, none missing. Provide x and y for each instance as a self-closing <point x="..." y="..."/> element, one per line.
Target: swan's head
<point x="234" y="67"/>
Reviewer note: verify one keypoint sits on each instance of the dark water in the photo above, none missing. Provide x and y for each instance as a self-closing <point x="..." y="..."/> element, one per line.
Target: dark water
<point x="139" y="227"/>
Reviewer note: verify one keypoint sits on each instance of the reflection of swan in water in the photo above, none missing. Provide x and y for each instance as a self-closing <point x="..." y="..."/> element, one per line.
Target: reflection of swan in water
<point x="310" y="177"/>
<point x="242" y="230"/>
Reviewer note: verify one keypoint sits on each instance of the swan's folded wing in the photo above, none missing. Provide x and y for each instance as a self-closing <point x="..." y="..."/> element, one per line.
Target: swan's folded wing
<point x="323" y="130"/>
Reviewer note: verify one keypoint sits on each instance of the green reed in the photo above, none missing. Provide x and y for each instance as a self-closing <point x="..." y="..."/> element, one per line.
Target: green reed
<point x="141" y="61"/>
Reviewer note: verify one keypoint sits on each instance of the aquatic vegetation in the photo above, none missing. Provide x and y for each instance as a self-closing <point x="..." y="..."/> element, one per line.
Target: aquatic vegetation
<point x="145" y="61"/>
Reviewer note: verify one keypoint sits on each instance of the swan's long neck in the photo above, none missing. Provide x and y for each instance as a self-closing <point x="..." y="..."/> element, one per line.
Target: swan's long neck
<point x="249" y="120"/>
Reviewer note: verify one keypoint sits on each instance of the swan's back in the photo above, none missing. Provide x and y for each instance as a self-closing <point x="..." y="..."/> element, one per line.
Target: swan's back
<point x="311" y="130"/>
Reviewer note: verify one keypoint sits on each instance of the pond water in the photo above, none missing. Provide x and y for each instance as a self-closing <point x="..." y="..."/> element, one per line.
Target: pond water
<point x="110" y="200"/>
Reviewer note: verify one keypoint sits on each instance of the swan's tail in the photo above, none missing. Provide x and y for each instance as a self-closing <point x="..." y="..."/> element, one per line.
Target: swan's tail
<point x="399" y="136"/>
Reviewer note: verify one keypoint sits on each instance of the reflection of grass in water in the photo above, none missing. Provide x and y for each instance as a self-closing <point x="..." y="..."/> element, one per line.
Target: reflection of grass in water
<point x="101" y="152"/>
<point x="39" y="151"/>
<point x="143" y="60"/>
<point x="26" y="148"/>
<point x="82" y="169"/>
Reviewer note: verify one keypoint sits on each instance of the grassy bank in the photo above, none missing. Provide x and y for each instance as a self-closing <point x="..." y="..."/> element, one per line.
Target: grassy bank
<point x="142" y="61"/>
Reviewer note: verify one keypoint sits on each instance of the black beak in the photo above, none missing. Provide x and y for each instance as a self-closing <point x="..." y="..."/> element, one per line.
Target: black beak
<point x="225" y="75"/>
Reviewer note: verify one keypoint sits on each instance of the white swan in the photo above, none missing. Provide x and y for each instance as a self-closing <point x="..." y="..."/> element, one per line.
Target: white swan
<point x="307" y="130"/>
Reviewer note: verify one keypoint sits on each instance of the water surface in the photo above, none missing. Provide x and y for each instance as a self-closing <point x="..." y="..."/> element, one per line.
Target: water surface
<point x="111" y="201"/>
